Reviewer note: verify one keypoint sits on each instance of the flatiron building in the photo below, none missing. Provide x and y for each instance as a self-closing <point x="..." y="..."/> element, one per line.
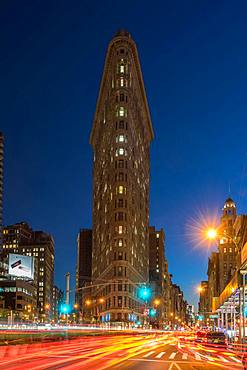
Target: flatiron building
<point x="120" y="138"/>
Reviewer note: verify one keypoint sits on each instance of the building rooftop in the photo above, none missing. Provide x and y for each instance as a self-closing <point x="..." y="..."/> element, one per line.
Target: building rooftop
<point x="122" y="32"/>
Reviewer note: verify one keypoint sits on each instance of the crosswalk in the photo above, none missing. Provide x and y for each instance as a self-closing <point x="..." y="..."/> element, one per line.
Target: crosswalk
<point x="183" y="356"/>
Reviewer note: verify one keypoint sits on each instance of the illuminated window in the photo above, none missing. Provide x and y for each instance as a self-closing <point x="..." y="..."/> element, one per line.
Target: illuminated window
<point x="120" y="229"/>
<point x="121" y="81"/>
<point x="121" y="138"/>
<point x="224" y="250"/>
<point x="121" y="151"/>
<point x="121" y="111"/>
<point x="121" y="68"/>
<point x="120" y="189"/>
<point x="120" y="242"/>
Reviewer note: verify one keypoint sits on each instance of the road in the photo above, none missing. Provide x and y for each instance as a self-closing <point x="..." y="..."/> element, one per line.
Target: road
<point x="169" y="351"/>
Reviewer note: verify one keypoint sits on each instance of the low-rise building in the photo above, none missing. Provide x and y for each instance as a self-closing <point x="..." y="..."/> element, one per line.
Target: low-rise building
<point x="18" y="298"/>
<point x="21" y="239"/>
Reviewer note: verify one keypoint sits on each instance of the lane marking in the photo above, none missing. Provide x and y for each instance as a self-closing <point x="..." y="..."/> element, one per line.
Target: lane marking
<point x="185" y="356"/>
<point x="162" y="361"/>
<point x="148" y="354"/>
<point x="223" y="359"/>
<point x="171" y="357"/>
<point x="210" y="358"/>
<point x="160" y="355"/>
<point x="236" y="359"/>
<point x="174" y="364"/>
<point x="198" y="357"/>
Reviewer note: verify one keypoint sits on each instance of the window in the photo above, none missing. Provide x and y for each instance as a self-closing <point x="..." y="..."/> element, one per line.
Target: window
<point x="120" y="216"/>
<point x="121" y="111"/>
<point x="121" y="125"/>
<point x="121" y="189"/>
<point x="121" y="176"/>
<point x="121" y="81"/>
<point x="224" y="250"/>
<point x="120" y="242"/>
<point x="121" y="138"/>
<point x="120" y="203"/>
<point x="121" y="163"/>
<point x="120" y="229"/>
<point x="121" y="97"/>
<point x="121" y="68"/>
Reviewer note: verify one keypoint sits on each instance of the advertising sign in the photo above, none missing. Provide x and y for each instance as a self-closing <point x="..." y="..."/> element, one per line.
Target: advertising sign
<point x="22" y="266"/>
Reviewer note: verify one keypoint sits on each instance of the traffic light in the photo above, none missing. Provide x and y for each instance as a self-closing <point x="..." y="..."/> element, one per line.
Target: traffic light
<point x="144" y="293"/>
<point x="152" y="312"/>
<point x="64" y="308"/>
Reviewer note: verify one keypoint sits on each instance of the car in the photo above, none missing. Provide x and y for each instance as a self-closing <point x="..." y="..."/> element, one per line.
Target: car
<point x="200" y="336"/>
<point x="216" y="339"/>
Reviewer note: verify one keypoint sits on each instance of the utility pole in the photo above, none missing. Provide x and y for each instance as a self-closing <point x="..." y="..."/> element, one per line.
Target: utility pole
<point x="67" y="288"/>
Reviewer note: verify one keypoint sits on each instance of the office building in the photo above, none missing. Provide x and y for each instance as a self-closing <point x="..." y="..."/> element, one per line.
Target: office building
<point x="227" y="249"/>
<point x="120" y="138"/>
<point x="1" y="184"/>
<point x="20" y="238"/>
<point x="84" y="265"/>
<point x="157" y="276"/>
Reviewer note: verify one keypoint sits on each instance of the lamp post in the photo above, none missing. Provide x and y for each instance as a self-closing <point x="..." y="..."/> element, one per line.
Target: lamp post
<point x="145" y="294"/>
<point x="243" y="273"/>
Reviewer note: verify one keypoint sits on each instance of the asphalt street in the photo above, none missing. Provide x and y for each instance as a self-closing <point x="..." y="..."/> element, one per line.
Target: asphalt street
<point x="169" y="351"/>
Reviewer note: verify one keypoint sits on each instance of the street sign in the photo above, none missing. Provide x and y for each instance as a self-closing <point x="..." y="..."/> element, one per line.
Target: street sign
<point x="213" y="316"/>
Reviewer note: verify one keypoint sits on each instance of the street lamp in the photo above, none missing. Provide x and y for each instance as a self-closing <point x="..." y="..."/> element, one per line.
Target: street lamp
<point x="156" y="302"/>
<point x="211" y="234"/>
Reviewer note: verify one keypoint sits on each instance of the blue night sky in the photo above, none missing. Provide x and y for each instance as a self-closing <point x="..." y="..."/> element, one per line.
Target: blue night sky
<point x="193" y="56"/>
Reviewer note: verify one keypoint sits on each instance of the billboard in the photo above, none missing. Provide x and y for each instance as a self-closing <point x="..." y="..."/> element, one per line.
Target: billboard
<point x="22" y="266"/>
